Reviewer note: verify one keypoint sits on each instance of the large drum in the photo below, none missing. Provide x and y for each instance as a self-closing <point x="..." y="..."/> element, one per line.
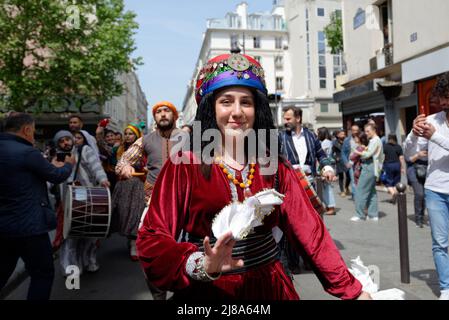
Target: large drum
<point x="87" y="212"/>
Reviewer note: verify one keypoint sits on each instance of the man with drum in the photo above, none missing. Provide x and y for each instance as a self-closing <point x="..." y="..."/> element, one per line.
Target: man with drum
<point x="26" y="216"/>
<point x="87" y="172"/>
<point x="156" y="146"/>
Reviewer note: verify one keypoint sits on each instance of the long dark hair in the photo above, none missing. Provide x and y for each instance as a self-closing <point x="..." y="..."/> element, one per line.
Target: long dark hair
<point x="263" y="120"/>
<point x="323" y="134"/>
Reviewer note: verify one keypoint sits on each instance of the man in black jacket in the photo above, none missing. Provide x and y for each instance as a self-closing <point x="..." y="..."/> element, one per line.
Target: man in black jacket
<point x="25" y="213"/>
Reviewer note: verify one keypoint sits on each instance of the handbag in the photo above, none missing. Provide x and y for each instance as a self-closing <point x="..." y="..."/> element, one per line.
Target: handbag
<point x="420" y="170"/>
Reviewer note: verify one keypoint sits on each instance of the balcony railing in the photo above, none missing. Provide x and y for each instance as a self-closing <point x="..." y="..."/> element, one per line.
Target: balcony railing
<point x="383" y="58"/>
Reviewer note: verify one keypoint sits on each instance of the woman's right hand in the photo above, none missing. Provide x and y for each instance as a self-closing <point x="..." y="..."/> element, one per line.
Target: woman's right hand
<point x="219" y="258"/>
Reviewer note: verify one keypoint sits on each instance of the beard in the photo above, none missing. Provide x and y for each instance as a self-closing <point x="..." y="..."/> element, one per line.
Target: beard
<point x="66" y="148"/>
<point x="165" y="125"/>
<point x="289" y="126"/>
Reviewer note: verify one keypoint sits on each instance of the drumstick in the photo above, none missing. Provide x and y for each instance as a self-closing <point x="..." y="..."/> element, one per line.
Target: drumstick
<point x="138" y="174"/>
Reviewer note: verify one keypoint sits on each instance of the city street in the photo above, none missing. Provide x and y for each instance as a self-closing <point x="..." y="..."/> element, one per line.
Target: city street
<point x="375" y="242"/>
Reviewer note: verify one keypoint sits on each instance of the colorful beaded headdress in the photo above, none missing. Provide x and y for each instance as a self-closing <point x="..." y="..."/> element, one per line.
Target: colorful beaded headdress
<point x="230" y="70"/>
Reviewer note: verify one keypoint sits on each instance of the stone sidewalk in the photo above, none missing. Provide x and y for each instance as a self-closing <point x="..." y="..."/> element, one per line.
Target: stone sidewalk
<point x="377" y="243"/>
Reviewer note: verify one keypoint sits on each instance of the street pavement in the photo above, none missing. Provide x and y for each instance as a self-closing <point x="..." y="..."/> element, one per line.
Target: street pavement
<point x="377" y="243"/>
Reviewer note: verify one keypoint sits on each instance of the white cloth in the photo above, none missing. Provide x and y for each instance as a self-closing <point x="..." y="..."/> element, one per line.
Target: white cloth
<point x="242" y="218"/>
<point x="299" y="140"/>
<point x="92" y="142"/>
<point x="438" y="153"/>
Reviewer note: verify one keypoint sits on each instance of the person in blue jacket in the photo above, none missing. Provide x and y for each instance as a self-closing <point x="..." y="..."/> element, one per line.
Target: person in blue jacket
<point x="26" y="216"/>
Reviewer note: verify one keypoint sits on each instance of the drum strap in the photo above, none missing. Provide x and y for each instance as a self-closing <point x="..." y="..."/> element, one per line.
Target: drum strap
<point x="78" y="163"/>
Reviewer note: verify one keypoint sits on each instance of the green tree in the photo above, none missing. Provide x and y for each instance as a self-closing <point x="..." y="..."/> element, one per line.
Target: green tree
<point x="334" y="33"/>
<point x="51" y="48"/>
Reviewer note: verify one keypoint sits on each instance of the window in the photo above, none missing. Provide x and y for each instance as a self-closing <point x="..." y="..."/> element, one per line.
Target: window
<point x="339" y="108"/>
<point x="321" y="48"/>
<point x="320" y="12"/>
<point x="234" y="41"/>
<point x="309" y="68"/>
<point x="256" y="41"/>
<point x="338" y="13"/>
<point x="322" y="59"/>
<point x="322" y="71"/>
<point x="324" y="108"/>
<point x="254" y="22"/>
<point x="278" y="23"/>
<point x="322" y="84"/>
<point x="279" y="62"/>
<point x="279" y="83"/>
<point x="233" y="21"/>
<point x="278" y="42"/>
<point x="321" y="36"/>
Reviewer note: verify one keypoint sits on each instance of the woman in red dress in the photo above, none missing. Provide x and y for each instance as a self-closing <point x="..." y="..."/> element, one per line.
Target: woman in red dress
<point x="175" y="243"/>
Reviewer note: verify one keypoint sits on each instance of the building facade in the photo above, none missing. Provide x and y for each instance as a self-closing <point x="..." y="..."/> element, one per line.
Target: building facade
<point x="131" y="106"/>
<point x="314" y="67"/>
<point x="394" y="50"/>
<point x="261" y="35"/>
<point x="291" y="45"/>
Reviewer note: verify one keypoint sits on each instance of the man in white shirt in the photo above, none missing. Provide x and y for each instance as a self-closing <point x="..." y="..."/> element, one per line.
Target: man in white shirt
<point x="302" y="148"/>
<point x="432" y="134"/>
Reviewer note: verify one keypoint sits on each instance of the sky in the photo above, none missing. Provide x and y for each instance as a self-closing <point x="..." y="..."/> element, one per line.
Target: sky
<point x="169" y="40"/>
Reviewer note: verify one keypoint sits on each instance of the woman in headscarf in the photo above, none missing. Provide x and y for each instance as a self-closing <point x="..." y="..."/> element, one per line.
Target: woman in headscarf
<point x="128" y="199"/>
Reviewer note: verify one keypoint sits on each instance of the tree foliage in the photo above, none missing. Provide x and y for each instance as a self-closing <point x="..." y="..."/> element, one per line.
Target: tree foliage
<point x="334" y="33"/>
<point x="53" y="48"/>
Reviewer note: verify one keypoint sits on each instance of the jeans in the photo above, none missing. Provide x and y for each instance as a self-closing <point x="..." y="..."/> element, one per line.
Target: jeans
<point x="420" y="204"/>
<point x="366" y="196"/>
<point x="438" y="209"/>
<point x="342" y="182"/>
<point x="328" y="195"/>
<point x="36" y="252"/>
<point x="351" y="176"/>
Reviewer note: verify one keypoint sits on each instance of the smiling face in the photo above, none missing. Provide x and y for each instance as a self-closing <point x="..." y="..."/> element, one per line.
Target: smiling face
<point x="234" y="110"/>
<point x="110" y="138"/>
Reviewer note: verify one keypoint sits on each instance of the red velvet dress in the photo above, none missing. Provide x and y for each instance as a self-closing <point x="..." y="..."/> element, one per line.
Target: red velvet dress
<point x="183" y="199"/>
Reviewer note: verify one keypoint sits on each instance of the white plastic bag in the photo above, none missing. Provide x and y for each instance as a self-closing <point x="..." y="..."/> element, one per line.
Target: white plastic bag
<point x="362" y="273"/>
<point x="390" y="294"/>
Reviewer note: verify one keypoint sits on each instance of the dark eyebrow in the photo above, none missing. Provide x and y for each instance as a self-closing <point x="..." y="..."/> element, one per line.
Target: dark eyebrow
<point x="228" y="96"/>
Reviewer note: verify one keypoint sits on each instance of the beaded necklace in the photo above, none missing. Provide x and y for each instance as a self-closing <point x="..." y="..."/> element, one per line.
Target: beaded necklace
<point x="232" y="178"/>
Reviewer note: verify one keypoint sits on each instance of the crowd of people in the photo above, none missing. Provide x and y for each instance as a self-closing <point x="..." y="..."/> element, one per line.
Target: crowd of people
<point x="165" y="202"/>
